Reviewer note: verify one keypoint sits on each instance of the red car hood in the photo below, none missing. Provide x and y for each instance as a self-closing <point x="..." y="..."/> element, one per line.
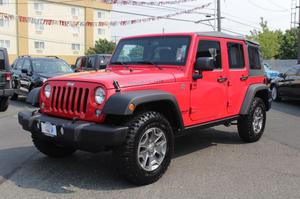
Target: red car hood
<point x="125" y="77"/>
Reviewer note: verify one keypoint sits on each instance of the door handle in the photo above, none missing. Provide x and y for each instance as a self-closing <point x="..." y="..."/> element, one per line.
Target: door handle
<point x="222" y="79"/>
<point x="244" y="78"/>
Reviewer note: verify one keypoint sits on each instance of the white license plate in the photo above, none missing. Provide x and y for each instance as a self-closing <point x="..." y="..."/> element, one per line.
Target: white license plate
<point x="48" y="129"/>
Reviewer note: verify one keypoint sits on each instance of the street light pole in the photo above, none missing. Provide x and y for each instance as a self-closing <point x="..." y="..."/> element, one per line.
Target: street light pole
<point x="219" y="15"/>
<point x="299" y="33"/>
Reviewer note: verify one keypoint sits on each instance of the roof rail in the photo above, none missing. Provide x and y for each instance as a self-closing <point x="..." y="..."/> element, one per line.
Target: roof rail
<point x="52" y="56"/>
<point x="24" y="56"/>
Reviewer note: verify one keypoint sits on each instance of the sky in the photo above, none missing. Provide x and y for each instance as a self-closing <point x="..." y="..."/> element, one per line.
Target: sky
<point x="240" y="16"/>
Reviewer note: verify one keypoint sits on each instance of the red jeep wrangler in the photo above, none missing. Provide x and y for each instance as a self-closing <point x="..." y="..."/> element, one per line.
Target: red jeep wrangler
<point x="154" y="89"/>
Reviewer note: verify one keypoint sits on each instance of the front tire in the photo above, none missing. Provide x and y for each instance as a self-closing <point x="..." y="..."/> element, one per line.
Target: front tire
<point x="147" y="151"/>
<point x="51" y="149"/>
<point x="4" y="101"/>
<point x="252" y="125"/>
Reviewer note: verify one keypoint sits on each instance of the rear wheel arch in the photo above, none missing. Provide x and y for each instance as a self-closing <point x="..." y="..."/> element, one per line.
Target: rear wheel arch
<point x="255" y="90"/>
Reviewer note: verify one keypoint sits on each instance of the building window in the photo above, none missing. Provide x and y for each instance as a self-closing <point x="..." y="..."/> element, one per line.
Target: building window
<point x="101" y="31"/>
<point x="4" y="23"/>
<point x="75" y="30"/>
<point x="100" y="15"/>
<point x="76" y="47"/>
<point x="38" y="6"/>
<point x="5" y="43"/>
<point x="4" y="2"/>
<point x="75" y="12"/>
<point x="39" y="27"/>
<point x="39" y="45"/>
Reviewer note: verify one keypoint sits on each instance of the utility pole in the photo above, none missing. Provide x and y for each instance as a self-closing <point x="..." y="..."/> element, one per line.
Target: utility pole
<point x="298" y="32"/>
<point x="219" y="15"/>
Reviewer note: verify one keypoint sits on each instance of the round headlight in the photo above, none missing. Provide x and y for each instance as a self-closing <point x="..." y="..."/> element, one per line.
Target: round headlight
<point x="47" y="91"/>
<point x="99" y="95"/>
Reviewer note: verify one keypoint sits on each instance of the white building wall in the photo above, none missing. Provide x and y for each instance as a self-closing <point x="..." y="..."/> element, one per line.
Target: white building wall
<point x="56" y="39"/>
<point x="8" y="29"/>
<point x="102" y="32"/>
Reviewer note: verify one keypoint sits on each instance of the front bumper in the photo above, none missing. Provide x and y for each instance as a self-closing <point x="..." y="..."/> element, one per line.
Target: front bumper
<point x="82" y="135"/>
<point x="7" y="92"/>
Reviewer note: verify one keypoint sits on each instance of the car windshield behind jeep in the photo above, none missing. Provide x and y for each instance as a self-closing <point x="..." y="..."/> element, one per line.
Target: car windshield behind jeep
<point x="164" y="50"/>
<point x="50" y="65"/>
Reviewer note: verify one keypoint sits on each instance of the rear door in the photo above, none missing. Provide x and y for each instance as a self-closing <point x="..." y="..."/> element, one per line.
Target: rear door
<point x="4" y="69"/>
<point x="237" y="76"/>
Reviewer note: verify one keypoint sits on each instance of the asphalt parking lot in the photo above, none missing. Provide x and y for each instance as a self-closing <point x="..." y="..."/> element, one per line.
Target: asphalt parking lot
<point x="211" y="163"/>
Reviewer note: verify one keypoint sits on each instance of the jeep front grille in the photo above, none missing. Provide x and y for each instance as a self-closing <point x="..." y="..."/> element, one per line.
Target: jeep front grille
<point x="71" y="100"/>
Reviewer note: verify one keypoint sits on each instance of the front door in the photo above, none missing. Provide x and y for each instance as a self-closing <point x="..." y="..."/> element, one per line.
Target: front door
<point x="25" y="77"/>
<point x="209" y="94"/>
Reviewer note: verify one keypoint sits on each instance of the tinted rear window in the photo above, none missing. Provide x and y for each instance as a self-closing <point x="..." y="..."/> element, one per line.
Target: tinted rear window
<point x="254" y="57"/>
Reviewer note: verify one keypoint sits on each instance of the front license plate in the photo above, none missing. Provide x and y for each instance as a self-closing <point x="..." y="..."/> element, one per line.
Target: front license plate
<point x="48" y="129"/>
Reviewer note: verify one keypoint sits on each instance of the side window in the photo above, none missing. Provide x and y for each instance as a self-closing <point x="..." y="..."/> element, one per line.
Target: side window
<point x="236" y="56"/>
<point x="254" y="57"/>
<point x="205" y="48"/>
<point x="19" y="64"/>
<point x="26" y="65"/>
<point x="91" y="62"/>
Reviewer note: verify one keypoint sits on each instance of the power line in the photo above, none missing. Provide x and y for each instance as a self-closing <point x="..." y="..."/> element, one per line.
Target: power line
<point x="44" y="2"/>
<point x="241" y="23"/>
<point x="266" y="9"/>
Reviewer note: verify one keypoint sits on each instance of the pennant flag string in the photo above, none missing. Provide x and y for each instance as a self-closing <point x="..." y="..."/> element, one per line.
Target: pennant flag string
<point x="153" y="3"/>
<point x="50" y="22"/>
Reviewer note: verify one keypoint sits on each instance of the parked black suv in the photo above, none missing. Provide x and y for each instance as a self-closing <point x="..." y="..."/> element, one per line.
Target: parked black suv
<point x="30" y="72"/>
<point x="287" y="84"/>
<point x="5" y="80"/>
<point x="92" y="62"/>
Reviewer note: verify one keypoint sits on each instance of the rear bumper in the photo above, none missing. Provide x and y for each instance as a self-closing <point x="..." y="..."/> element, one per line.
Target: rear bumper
<point x="7" y="92"/>
<point x="82" y="135"/>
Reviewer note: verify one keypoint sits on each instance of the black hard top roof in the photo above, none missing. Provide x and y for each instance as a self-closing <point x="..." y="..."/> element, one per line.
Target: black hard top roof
<point x="224" y="35"/>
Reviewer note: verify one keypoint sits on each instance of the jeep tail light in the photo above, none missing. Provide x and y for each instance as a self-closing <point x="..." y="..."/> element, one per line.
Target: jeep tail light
<point x="8" y="76"/>
<point x="265" y="81"/>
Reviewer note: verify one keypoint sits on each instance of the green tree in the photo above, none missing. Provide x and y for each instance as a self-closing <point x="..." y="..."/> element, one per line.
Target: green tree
<point x="102" y="46"/>
<point x="289" y="45"/>
<point x="269" y="40"/>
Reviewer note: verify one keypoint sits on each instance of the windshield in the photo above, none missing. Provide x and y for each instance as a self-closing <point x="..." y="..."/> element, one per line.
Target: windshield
<point x="50" y="65"/>
<point x="164" y="50"/>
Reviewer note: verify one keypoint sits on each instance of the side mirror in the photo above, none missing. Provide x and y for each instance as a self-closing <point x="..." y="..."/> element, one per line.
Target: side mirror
<point x="204" y="64"/>
<point x="282" y="75"/>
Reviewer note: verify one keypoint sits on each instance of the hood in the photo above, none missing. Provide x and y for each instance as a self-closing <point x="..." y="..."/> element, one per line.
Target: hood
<point x="125" y="77"/>
<point x="49" y="74"/>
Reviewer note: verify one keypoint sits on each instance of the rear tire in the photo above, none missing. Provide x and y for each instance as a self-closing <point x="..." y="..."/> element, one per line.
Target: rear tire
<point x="4" y="101"/>
<point x="275" y="94"/>
<point x="147" y="151"/>
<point x="51" y="149"/>
<point x="252" y="125"/>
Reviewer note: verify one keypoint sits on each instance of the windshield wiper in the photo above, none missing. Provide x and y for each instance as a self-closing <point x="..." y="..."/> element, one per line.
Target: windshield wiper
<point x="120" y="63"/>
<point x="150" y="62"/>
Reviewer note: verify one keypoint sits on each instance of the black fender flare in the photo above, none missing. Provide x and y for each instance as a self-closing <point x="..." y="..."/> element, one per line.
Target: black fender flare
<point x="118" y="103"/>
<point x="33" y="96"/>
<point x="251" y="92"/>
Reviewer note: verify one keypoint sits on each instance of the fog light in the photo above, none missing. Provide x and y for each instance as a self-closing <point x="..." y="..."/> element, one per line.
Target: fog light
<point x="98" y="112"/>
<point x="131" y="107"/>
<point x="62" y="131"/>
